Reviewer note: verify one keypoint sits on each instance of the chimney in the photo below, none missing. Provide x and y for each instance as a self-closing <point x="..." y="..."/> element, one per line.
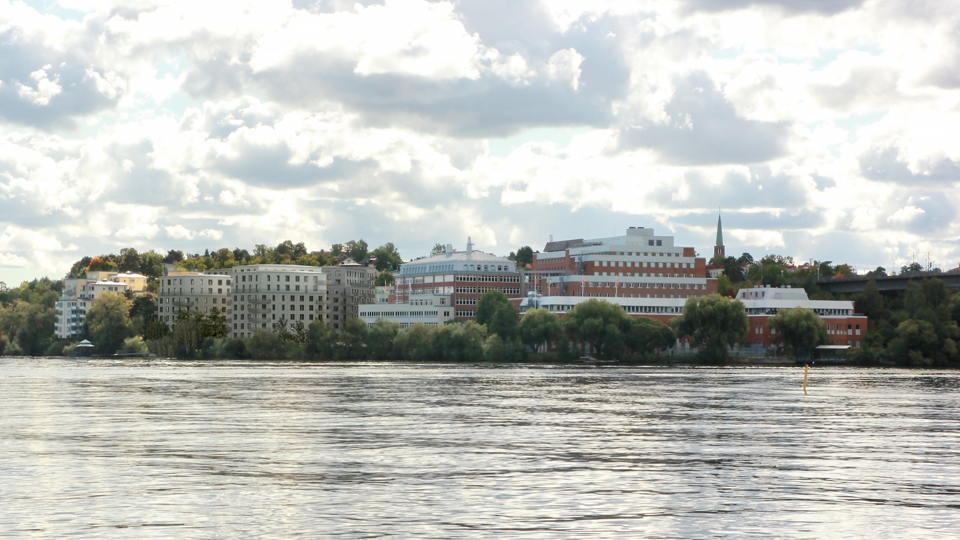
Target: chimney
<point x="449" y="250"/>
<point x="469" y="245"/>
<point x="551" y="238"/>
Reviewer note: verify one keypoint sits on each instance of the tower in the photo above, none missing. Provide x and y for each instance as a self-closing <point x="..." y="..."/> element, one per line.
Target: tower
<point x="718" y="248"/>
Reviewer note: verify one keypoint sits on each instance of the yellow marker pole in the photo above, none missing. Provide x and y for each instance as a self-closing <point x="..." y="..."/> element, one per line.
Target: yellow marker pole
<point x="805" y="368"/>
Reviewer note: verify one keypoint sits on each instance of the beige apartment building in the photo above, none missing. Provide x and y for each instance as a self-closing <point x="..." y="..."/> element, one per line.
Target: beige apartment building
<point x="193" y="291"/>
<point x="267" y="293"/>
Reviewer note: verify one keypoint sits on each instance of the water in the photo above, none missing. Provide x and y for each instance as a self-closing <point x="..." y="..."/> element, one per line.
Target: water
<point x="104" y="449"/>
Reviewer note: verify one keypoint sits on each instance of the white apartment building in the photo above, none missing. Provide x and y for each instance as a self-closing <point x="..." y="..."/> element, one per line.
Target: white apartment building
<point x="266" y="293"/>
<point x="193" y="291"/>
<point x="428" y="309"/>
<point x="77" y="297"/>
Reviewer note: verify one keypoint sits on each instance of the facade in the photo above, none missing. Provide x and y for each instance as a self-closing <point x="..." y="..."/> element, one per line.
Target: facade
<point x="267" y="293"/>
<point x="193" y="291"/>
<point x="382" y="294"/>
<point x="639" y="264"/>
<point x="843" y="326"/>
<point x="428" y="309"/>
<point x="463" y="276"/>
<point x="76" y="299"/>
<point x="348" y="288"/>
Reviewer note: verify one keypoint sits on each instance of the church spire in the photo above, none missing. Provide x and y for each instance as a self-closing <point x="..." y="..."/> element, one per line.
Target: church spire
<point x="718" y="249"/>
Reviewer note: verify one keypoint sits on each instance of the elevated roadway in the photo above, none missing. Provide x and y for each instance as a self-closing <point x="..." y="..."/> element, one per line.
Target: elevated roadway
<point x="886" y="284"/>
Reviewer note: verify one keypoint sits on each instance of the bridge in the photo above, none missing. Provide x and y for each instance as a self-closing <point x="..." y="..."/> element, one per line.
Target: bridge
<point x="886" y="283"/>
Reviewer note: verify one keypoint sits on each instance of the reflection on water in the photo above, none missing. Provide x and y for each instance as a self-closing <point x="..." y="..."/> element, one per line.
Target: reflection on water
<point x="173" y="450"/>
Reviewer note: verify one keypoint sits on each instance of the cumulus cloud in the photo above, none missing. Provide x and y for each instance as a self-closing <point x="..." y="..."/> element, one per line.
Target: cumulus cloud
<point x="814" y="125"/>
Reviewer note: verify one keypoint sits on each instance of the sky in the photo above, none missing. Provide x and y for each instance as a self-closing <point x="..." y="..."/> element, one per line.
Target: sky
<point x="819" y="129"/>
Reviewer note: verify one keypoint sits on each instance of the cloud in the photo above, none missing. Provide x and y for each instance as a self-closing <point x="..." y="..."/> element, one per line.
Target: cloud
<point x="12" y="259"/>
<point x="905" y="215"/>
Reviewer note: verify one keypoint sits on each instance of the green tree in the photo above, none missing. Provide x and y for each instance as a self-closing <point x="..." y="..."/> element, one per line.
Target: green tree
<point x="215" y="325"/>
<point x="30" y="325"/>
<point x="601" y="324"/>
<point x="713" y="322"/>
<point x="488" y="305"/>
<point x="173" y="256"/>
<point x="282" y="331"/>
<point x="151" y="264"/>
<point x="129" y="260"/>
<point x="142" y="309"/>
<point x="388" y="258"/>
<point x="505" y="323"/>
<point x="525" y="256"/>
<point x="109" y="322"/>
<point x="266" y="346"/>
<point x="647" y="335"/>
<point x="879" y="272"/>
<point x="458" y="342"/>
<point x="912" y="268"/>
<point x="354" y="339"/>
<point x="384" y="278"/>
<point x="733" y="270"/>
<point x="79" y="268"/>
<point x="414" y="343"/>
<point x="223" y="258"/>
<point x="540" y="327"/>
<point x="869" y="302"/>
<point x="799" y="327"/>
<point x="336" y="250"/>
<point x="380" y="339"/>
<point x="438" y="249"/>
<point x="357" y="250"/>
<point x="321" y="341"/>
<point x="746" y="258"/>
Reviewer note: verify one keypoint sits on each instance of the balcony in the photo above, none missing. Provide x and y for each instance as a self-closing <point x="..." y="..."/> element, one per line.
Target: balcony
<point x="182" y="302"/>
<point x="255" y="309"/>
<point x="256" y="300"/>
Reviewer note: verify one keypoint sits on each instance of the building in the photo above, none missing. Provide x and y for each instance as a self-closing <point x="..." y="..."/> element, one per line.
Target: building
<point x="463" y="276"/>
<point x="193" y="291"/>
<point x="382" y="294"/>
<point x="264" y="294"/>
<point x="639" y="264"/>
<point x="77" y="298"/>
<point x="718" y="248"/>
<point x="761" y="303"/>
<point x="348" y="288"/>
<point x="428" y="309"/>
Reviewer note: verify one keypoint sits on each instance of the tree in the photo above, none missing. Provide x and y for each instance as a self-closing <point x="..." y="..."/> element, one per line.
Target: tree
<point x="488" y="305"/>
<point x="601" y="324"/>
<point x="321" y="340"/>
<point x="714" y="322"/>
<point x="799" y="327"/>
<point x="733" y="270"/>
<point x="223" y="258"/>
<point x="240" y="255"/>
<point x="357" y="250"/>
<point x="458" y="342"/>
<point x="647" y="335"/>
<point x="142" y="309"/>
<point x="540" y="327"/>
<point x="151" y="264"/>
<point x="129" y="260"/>
<point x="525" y="256"/>
<point x="869" y="302"/>
<point x="79" y="268"/>
<point x="384" y="278"/>
<point x="101" y="264"/>
<point x="173" y="256"/>
<point x="109" y="322"/>
<point x="216" y="325"/>
<point x="266" y="346"/>
<point x="912" y="268"/>
<point x="30" y="325"/>
<point x="380" y="339"/>
<point x="505" y="322"/>
<point x="354" y="339"/>
<point x="388" y="258"/>
<point x="336" y="250"/>
<point x="438" y="249"/>
<point x="879" y="272"/>
<point x="282" y="331"/>
<point x="746" y="258"/>
<point x="413" y="343"/>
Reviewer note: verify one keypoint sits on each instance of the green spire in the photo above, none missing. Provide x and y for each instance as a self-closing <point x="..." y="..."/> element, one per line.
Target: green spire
<point x="719" y="232"/>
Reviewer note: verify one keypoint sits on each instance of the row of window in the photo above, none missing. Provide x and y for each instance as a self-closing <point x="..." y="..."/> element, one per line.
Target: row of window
<point x="466" y="313"/>
<point x="179" y="281"/>
<point x="481" y="290"/>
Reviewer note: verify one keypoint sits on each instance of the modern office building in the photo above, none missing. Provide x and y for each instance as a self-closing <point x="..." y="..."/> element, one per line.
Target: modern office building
<point x="761" y="303"/>
<point x="428" y="309"/>
<point x="267" y="293"/>
<point x="462" y="275"/>
<point x="193" y="291"/>
<point x="639" y="264"/>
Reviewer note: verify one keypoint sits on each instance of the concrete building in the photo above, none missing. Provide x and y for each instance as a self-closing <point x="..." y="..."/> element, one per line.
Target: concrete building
<point x="463" y="276"/>
<point x="77" y="298"/>
<point x="428" y="309"/>
<point x="639" y="264"/>
<point x="193" y="291"/>
<point x="266" y="293"/>
<point x="761" y="303"/>
<point x="382" y="294"/>
<point x="348" y="288"/>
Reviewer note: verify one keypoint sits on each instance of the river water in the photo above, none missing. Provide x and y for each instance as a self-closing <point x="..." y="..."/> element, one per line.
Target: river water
<point x="107" y="449"/>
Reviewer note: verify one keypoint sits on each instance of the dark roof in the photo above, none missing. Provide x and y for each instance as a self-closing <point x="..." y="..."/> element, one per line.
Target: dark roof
<point x="562" y="245"/>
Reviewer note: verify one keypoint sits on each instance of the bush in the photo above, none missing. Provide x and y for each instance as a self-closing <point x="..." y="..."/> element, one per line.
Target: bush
<point x="133" y="345"/>
<point x="266" y="346"/>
